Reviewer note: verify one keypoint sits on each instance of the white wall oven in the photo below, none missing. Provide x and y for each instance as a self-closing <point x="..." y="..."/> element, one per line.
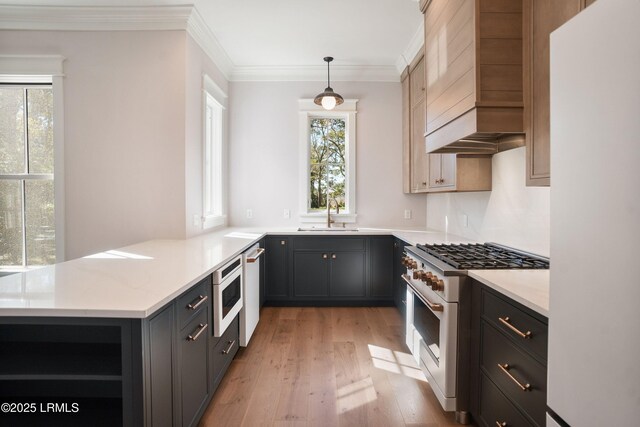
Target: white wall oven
<point x="227" y="295"/>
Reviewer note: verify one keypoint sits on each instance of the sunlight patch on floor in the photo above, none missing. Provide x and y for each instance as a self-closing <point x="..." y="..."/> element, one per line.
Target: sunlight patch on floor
<point x="395" y="362"/>
<point x="356" y="394"/>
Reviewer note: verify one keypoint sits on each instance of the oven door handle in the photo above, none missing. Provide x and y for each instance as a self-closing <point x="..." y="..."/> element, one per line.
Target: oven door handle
<point x="253" y="258"/>
<point x="433" y="307"/>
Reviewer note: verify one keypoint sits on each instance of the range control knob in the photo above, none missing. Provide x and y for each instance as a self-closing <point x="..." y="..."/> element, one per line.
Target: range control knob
<point x="437" y="285"/>
<point x="414" y="265"/>
<point x="417" y="274"/>
<point x="405" y="260"/>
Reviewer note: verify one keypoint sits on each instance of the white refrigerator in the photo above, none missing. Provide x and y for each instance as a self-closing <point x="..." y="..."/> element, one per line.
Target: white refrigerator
<point x="594" y="315"/>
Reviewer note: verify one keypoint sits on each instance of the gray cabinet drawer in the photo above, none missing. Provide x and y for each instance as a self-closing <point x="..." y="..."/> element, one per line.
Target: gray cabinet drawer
<point x="191" y="302"/>
<point x="329" y="244"/>
<point x="494" y="308"/>
<point x="498" y="349"/>
<point x="496" y="409"/>
<point x="224" y="351"/>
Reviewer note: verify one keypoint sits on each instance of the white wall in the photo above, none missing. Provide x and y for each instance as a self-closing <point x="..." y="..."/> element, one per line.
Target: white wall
<point x="197" y="64"/>
<point x="124" y="112"/>
<point x="510" y="214"/>
<point x="264" y="141"/>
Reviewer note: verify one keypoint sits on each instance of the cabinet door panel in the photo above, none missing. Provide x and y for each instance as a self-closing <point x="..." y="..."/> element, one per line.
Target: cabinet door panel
<point x="448" y="170"/>
<point x="541" y="18"/>
<point x="310" y="274"/>
<point x="194" y="368"/>
<point x="161" y="338"/>
<point x="406" y="137"/>
<point x="419" y="157"/>
<point x="276" y="267"/>
<point x="434" y="169"/>
<point x="347" y="274"/>
<point x="399" y="289"/>
<point x="381" y="267"/>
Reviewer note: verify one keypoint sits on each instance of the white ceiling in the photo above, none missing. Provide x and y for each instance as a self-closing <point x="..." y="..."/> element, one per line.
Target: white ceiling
<point x="285" y="34"/>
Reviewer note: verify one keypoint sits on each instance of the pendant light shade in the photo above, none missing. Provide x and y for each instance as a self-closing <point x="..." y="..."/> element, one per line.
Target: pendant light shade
<point x="328" y="99"/>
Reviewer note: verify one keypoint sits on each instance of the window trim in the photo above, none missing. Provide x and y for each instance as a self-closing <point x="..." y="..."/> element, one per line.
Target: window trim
<point x="44" y="69"/>
<point x="211" y="90"/>
<point x="347" y="111"/>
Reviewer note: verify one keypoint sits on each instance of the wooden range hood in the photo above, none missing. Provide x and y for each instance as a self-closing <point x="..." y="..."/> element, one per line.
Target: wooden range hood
<point x="474" y="75"/>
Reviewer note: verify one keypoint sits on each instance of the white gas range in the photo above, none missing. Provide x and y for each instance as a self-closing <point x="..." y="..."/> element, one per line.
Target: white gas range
<point x="438" y="311"/>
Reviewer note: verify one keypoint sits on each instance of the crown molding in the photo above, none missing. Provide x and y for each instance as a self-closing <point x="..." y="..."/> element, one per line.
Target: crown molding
<point x="413" y="48"/>
<point x="188" y="18"/>
<point x="313" y="73"/>
<point x="94" y="18"/>
<point x="202" y="34"/>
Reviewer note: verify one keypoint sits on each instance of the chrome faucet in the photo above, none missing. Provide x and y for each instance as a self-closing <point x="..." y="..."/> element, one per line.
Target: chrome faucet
<point x="335" y="202"/>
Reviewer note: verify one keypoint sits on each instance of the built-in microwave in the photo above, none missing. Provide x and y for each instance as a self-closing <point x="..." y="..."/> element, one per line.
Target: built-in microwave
<point x="227" y="295"/>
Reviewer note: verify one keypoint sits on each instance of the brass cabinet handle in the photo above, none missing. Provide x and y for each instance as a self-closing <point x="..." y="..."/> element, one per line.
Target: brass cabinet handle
<point x="193" y="305"/>
<point x="501" y="424"/>
<point x="333" y="256"/>
<point x="283" y="242"/>
<point x="506" y="321"/>
<point x="196" y="334"/>
<point x="231" y="344"/>
<point x="505" y="368"/>
<point x="324" y="256"/>
<point x="253" y="258"/>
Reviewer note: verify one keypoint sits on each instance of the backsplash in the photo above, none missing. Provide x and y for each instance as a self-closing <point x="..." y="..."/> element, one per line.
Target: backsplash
<point x="510" y="214"/>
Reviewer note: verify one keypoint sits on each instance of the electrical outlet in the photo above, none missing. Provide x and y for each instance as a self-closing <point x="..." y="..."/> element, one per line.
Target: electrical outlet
<point x="286" y="214"/>
<point x="407" y="214"/>
<point x="249" y="213"/>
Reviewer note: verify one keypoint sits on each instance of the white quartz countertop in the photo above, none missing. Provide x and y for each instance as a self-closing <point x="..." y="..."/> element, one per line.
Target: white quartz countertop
<point x="137" y="280"/>
<point x="528" y="287"/>
<point x="130" y="282"/>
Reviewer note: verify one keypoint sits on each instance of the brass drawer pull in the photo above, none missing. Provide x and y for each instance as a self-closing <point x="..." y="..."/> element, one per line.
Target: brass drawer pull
<point x="501" y="424"/>
<point x="193" y="305"/>
<point x="196" y="334"/>
<point x="505" y="368"/>
<point x="507" y="323"/>
<point x="231" y="344"/>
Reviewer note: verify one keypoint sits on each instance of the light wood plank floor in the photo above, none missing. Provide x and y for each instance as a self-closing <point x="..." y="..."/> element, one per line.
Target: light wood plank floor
<point x="326" y="367"/>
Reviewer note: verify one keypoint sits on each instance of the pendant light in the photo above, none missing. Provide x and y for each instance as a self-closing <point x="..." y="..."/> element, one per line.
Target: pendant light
<point x="328" y="99"/>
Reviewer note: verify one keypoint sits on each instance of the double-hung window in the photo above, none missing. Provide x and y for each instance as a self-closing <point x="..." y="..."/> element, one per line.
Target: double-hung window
<point x="327" y="162"/>
<point x="27" y="196"/>
<point x="214" y="152"/>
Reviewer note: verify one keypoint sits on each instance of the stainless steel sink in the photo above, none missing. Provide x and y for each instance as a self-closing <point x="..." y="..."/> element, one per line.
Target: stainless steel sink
<point x="325" y="229"/>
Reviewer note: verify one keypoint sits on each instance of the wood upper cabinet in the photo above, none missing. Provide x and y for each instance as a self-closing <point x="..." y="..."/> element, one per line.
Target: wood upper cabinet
<point x="419" y="157"/>
<point x="541" y="17"/>
<point x="474" y="76"/>
<point x="459" y="172"/>
<point x="406" y="133"/>
<point x="442" y="171"/>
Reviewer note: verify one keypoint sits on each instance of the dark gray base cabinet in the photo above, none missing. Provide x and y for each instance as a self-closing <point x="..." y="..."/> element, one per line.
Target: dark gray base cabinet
<point x="329" y="270"/>
<point x="503" y="361"/>
<point x="399" y="285"/>
<point x="160" y="371"/>
<point x="276" y="268"/>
